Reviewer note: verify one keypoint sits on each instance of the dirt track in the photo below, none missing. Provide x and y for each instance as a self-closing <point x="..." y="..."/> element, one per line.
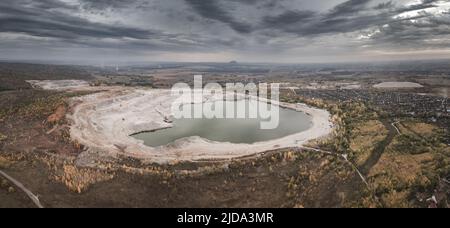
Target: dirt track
<point x="379" y="149"/>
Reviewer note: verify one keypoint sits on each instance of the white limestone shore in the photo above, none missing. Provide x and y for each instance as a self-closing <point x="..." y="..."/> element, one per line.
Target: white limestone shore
<point x="388" y="85"/>
<point x="104" y="121"/>
<point x="59" y="85"/>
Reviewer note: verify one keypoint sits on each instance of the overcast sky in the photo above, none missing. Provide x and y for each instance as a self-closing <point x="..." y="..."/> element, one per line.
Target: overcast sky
<point x="289" y="31"/>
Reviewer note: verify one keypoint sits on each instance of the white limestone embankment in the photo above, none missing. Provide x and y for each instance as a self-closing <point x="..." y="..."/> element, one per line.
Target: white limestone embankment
<point x="391" y="85"/>
<point x="104" y="121"/>
<point x="60" y="85"/>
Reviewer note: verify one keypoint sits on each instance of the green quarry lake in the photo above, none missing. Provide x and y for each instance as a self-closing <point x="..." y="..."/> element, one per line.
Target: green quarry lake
<point x="234" y="130"/>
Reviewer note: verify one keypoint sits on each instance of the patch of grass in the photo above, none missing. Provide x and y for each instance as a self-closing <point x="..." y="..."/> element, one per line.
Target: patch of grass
<point x="3" y="137"/>
<point x="412" y="164"/>
<point x="35" y="104"/>
<point x="42" y="107"/>
<point x="365" y="137"/>
<point x="39" y="107"/>
<point x="78" y="180"/>
<point x="422" y="129"/>
<point x="418" y="138"/>
<point x="410" y="144"/>
<point x="427" y="133"/>
<point x="5" y="163"/>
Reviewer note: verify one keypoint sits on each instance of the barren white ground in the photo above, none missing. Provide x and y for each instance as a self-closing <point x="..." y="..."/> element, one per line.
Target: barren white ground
<point x="104" y="121"/>
<point x="398" y="85"/>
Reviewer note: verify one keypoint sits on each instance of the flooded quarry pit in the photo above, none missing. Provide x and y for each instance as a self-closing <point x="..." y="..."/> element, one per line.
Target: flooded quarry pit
<point x="233" y="130"/>
<point x="113" y="122"/>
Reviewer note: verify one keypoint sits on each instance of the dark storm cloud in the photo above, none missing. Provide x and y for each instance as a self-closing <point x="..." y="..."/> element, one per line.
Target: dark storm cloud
<point x="348" y="8"/>
<point x="426" y="31"/>
<point x="103" y="4"/>
<point x="425" y="4"/>
<point x="248" y="2"/>
<point x="384" y="5"/>
<point x="342" y="18"/>
<point x="36" y="20"/>
<point x="222" y="25"/>
<point x="350" y="16"/>
<point x="42" y="20"/>
<point x="57" y="26"/>
<point x="301" y="22"/>
<point x="409" y="35"/>
<point x="49" y="4"/>
<point x="112" y="4"/>
<point x="421" y="30"/>
<point x="212" y="9"/>
<point x="288" y="17"/>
